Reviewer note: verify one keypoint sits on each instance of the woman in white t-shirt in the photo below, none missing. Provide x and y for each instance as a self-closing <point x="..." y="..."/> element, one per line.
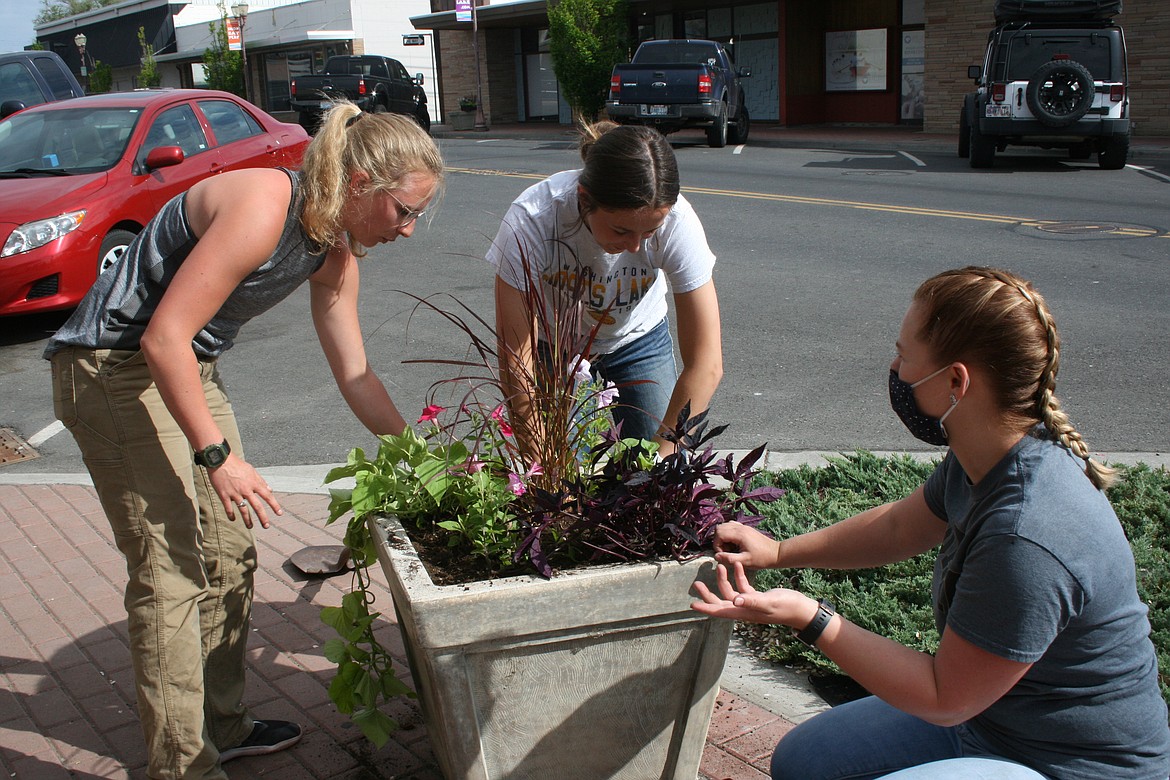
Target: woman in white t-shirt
<point x="605" y="242"/>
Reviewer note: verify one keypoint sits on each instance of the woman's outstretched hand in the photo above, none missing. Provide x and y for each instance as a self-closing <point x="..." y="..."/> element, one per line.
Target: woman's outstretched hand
<point x="736" y="599"/>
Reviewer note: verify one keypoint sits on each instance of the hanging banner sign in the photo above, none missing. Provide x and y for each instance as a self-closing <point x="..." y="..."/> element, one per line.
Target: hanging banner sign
<point x="235" y="42"/>
<point x="463" y="10"/>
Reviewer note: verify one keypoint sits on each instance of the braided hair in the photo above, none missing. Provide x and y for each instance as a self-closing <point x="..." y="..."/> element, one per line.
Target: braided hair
<point x="994" y="318"/>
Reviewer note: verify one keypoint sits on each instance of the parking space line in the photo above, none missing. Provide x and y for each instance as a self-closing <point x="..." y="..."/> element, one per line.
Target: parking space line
<point x="912" y="159"/>
<point x="1149" y="172"/>
<point x="46" y="433"/>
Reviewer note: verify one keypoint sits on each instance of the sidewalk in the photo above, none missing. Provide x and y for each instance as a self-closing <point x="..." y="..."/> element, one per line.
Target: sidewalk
<point x="855" y="137"/>
<point x="67" y="690"/>
<point x="67" y="698"/>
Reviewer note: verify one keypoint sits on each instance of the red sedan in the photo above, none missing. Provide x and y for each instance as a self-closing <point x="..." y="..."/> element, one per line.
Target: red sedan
<point x="80" y="178"/>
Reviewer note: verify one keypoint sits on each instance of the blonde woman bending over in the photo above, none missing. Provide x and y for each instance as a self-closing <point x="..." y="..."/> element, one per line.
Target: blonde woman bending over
<point x="136" y="383"/>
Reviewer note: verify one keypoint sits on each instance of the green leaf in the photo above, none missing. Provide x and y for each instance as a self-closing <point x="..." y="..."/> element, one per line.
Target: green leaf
<point x="335" y="650"/>
<point x="375" y="725"/>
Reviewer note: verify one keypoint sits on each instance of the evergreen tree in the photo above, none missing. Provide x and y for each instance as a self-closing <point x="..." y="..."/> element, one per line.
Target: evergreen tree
<point x="587" y="38"/>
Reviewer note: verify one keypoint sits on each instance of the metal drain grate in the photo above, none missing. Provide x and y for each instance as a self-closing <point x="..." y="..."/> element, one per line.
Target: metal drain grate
<point x="14" y="449"/>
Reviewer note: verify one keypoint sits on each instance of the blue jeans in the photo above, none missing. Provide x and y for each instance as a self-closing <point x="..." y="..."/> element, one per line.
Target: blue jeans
<point x="644" y="373"/>
<point x="868" y="738"/>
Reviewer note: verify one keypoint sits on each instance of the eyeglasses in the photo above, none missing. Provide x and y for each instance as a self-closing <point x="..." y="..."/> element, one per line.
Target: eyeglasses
<point x="406" y="215"/>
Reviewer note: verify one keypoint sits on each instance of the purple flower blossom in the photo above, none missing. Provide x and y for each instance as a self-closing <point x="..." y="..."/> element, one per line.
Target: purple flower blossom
<point x="607" y="396"/>
<point x="581" y="375"/>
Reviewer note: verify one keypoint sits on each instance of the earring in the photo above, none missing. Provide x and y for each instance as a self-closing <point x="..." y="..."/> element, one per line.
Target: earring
<point x="953" y="399"/>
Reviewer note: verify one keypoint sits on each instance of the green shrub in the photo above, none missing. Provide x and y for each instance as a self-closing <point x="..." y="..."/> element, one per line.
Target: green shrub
<point x="894" y="600"/>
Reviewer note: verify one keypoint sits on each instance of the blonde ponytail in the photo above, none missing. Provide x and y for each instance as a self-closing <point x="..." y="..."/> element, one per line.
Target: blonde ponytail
<point x="385" y="147"/>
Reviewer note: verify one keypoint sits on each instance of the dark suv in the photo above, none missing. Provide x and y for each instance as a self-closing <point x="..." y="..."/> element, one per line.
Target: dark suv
<point x="28" y="78"/>
<point x="1055" y="77"/>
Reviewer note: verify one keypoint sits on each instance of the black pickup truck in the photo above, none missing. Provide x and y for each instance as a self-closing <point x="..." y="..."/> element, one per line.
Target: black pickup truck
<point x="29" y="78"/>
<point x="674" y="84"/>
<point x="376" y="84"/>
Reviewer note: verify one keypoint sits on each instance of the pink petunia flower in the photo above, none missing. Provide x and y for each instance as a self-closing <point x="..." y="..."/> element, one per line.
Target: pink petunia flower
<point x="504" y="425"/>
<point x="516" y="484"/>
<point x="474" y="465"/>
<point x="431" y="413"/>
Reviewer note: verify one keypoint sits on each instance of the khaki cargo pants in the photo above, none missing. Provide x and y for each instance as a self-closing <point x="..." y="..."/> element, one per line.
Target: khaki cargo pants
<point x="189" y="595"/>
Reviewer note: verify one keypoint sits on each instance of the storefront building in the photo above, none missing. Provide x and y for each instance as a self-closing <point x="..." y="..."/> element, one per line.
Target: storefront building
<point x="812" y="61"/>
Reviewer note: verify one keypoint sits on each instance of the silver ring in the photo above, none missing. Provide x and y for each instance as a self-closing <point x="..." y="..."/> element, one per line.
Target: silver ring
<point x="242" y="504"/>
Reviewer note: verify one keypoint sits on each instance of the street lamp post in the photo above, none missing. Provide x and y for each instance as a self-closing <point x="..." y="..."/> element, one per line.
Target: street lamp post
<point x="480" y="119"/>
<point x="79" y="40"/>
<point x="240" y="11"/>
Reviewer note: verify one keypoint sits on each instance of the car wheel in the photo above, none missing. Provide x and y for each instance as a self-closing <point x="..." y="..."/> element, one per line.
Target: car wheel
<point x="964" y="135"/>
<point x="113" y="247"/>
<point x="982" y="148"/>
<point x="1060" y="92"/>
<point x="1114" y="152"/>
<point x="423" y="117"/>
<point x="717" y="132"/>
<point x="743" y="123"/>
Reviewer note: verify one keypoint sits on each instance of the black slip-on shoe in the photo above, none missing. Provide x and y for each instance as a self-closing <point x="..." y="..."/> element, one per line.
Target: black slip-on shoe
<point x="268" y="736"/>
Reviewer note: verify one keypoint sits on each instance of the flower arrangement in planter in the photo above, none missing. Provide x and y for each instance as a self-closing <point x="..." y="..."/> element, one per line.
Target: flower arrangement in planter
<point x="481" y="501"/>
<point x="467" y="103"/>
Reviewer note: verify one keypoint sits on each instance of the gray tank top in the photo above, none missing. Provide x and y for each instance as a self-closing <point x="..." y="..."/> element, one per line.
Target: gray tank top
<point x="117" y="309"/>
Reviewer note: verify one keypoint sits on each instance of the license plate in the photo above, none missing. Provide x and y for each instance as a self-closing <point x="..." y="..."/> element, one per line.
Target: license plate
<point x="658" y="110"/>
<point x="998" y="109"/>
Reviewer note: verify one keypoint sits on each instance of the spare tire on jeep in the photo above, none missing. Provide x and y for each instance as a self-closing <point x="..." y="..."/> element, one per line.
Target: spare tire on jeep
<point x="1055" y="10"/>
<point x="1060" y="92"/>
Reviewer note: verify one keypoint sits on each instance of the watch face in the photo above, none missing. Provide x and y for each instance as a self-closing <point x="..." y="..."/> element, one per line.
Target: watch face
<point x="215" y="455"/>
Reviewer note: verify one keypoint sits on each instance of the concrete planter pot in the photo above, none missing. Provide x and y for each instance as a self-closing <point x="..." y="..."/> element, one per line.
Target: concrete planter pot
<point x="600" y="672"/>
<point x="461" y="120"/>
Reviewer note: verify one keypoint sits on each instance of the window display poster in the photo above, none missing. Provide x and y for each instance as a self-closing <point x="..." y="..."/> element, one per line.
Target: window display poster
<point x="913" y="72"/>
<point x="855" y="60"/>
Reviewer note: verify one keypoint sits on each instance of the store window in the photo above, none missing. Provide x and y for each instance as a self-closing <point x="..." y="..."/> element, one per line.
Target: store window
<point x="695" y="24"/>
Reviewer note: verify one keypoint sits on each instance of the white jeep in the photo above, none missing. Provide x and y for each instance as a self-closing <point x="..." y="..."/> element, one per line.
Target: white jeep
<point x="1056" y="80"/>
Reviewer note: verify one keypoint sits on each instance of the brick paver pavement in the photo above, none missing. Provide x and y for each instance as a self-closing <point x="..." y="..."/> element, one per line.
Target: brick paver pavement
<point x="67" y="693"/>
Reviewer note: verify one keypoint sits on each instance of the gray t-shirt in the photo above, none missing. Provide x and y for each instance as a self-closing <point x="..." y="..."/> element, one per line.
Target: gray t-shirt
<point x="625" y="292"/>
<point x="1035" y="568"/>
<point x="116" y="310"/>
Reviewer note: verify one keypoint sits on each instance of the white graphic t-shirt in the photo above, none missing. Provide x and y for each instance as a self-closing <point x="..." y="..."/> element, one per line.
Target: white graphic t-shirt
<point x="543" y="233"/>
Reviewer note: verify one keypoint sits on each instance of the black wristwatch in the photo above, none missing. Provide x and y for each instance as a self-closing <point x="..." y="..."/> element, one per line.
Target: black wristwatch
<point x="213" y="456"/>
<point x="812" y="632"/>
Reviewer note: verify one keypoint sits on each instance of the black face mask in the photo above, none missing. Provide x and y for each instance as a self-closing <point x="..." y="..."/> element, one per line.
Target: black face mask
<point x="922" y="426"/>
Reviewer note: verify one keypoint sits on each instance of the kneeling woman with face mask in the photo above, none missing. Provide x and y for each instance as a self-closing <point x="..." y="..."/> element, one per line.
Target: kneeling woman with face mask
<point x="1045" y="668"/>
